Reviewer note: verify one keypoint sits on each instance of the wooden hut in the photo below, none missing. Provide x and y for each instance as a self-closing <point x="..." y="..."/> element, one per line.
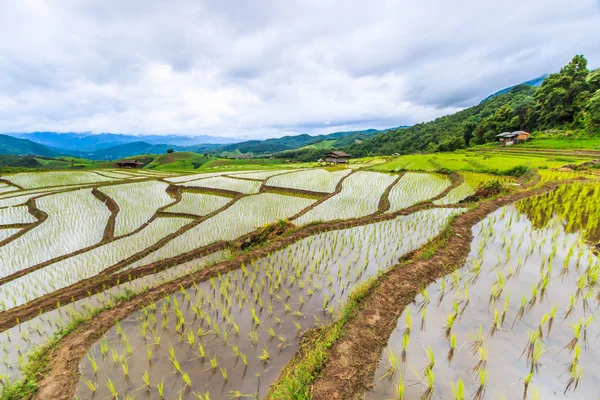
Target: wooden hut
<point x="510" y="138"/>
<point x="337" y="157"/>
<point x="129" y="164"/>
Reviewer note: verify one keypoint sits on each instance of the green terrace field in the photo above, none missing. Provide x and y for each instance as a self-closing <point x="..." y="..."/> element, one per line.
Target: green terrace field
<point x="256" y="279"/>
<point x="491" y="160"/>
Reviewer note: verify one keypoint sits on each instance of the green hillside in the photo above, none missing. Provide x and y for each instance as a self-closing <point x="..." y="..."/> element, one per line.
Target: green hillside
<point x="11" y="145"/>
<point x="567" y="102"/>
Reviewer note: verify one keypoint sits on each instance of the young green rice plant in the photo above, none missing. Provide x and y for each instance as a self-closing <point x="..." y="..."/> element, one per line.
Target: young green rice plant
<point x="481" y="388"/>
<point x="91" y="385"/>
<point x="112" y="389"/>
<point x="543" y="322"/>
<point x="430" y="358"/>
<point x="408" y="319"/>
<point x="521" y="311"/>
<point x="393" y="361"/>
<point x="458" y="390"/>
<point x="483" y="358"/>
<point x="264" y="355"/>
<point x="495" y="323"/>
<point x="400" y="387"/>
<point x="570" y="307"/>
<point x="146" y="380"/>
<point x="93" y="363"/>
<point x="573" y="382"/>
<point x="504" y="309"/>
<point x="577" y="330"/>
<point x="450" y="322"/>
<point x="452" y="348"/>
<point x="551" y="319"/>
<point x="538" y="351"/>
<point x="161" y="389"/>
<point x="429" y="379"/>
<point x="532" y="339"/>
<point x="477" y="339"/>
<point x="405" y="340"/>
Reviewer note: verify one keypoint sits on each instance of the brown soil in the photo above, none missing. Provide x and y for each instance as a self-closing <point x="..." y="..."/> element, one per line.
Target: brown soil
<point x="350" y="369"/>
<point x="113" y="207"/>
<point x="11" y="184"/>
<point x="293" y="192"/>
<point x="216" y="192"/>
<point x="384" y="200"/>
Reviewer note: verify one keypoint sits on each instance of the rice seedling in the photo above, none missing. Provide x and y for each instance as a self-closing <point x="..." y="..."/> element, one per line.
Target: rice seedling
<point x="458" y="390"/>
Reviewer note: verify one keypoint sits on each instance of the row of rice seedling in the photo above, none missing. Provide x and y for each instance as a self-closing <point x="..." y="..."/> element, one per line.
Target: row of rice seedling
<point x="360" y="196"/>
<point x="226" y="183"/>
<point x="15" y="215"/>
<point x="261" y="175"/>
<point x="34" y="180"/>
<point x="198" y="204"/>
<point x="193" y="177"/>
<point x="138" y="202"/>
<point x="316" y="180"/>
<point x="6" y="188"/>
<point x="230" y="336"/>
<point x="549" y="175"/>
<point x="472" y="181"/>
<point x="414" y="188"/>
<point x="6" y="233"/>
<point x="75" y="220"/>
<point x="73" y="269"/>
<point x="243" y="217"/>
<point x="118" y="174"/>
<point x="17" y="343"/>
<point x="517" y="321"/>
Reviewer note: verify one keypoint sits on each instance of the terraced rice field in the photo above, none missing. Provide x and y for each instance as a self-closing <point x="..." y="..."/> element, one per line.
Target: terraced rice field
<point x="137" y="284"/>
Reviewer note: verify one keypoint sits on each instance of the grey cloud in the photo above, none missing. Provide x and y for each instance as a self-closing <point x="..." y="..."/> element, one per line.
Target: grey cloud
<point x="270" y="68"/>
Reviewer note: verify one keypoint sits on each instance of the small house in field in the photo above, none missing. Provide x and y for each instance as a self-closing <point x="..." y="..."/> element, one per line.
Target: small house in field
<point x="129" y="164"/>
<point x="337" y="157"/>
<point x="510" y="138"/>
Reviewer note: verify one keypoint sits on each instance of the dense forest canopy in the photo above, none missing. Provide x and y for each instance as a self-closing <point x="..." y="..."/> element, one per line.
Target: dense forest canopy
<point x="569" y="99"/>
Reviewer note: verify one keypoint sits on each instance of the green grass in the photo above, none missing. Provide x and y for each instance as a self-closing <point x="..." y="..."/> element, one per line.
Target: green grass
<point x="481" y="161"/>
<point x="296" y="380"/>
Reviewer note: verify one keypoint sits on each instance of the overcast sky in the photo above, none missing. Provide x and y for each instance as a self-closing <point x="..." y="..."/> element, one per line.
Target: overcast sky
<point x="269" y="68"/>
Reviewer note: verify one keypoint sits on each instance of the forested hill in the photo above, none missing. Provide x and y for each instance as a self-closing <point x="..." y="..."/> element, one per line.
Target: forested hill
<point x="569" y="99"/>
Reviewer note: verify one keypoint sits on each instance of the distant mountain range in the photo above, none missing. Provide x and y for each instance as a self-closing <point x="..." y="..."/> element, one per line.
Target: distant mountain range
<point x="90" y="142"/>
<point x="109" y="146"/>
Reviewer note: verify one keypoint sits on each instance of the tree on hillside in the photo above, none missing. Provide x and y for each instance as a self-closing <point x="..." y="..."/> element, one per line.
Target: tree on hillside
<point x="169" y="151"/>
<point x="593" y="108"/>
<point x="563" y="95"/>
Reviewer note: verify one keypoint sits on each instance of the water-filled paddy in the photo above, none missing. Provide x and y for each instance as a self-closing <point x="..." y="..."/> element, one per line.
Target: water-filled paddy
<point x="519" y="316"/>
<point x="236" y="332"/>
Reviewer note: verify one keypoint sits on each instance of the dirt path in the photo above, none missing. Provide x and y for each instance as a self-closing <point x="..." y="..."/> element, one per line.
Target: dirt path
<point x="350" y="369"/>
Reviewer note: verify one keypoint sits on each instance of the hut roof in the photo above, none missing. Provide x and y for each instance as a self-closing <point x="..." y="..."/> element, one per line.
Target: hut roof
<point x="338" y="154"/>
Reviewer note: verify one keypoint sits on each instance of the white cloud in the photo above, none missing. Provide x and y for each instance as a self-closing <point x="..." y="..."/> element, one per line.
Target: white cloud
<point x="269" y="68"/>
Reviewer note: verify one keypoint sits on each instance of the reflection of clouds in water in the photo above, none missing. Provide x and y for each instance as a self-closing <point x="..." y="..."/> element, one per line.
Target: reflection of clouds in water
<point x="529" y="248"/>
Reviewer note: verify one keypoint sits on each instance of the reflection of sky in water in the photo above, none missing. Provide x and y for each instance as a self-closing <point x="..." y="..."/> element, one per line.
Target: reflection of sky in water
<point x="509" y="246"/>
<point x="295" y="282"/>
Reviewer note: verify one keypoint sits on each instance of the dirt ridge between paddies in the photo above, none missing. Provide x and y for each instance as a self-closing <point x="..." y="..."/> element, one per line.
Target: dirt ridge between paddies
<point x="349" y="370"/>
<point x="110" y="277"/>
